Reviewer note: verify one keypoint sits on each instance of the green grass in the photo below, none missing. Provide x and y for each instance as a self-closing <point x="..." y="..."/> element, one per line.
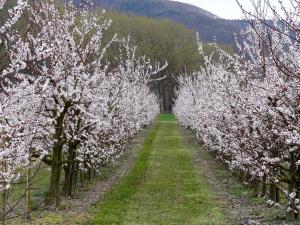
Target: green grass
<point x="113" y="207"/>
<point x="39" y="189"/>
<point x="163" y="187"/>
<point x="165" y="117"/>
<point x="231" y="185"/>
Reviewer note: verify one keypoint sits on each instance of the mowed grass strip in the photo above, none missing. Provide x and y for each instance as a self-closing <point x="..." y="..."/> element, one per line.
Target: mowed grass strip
<point x="163" y="187"/>
<point x="165" y="117"/>
<point x="113" y="206"/>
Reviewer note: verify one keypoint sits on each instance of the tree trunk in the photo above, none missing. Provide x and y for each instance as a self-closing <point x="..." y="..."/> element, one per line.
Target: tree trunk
<point x="90" y="174"/>
<point x="272" y="192"/>
<point x="67" y="180"/>
<point x="255" y="187"/>
<point x="297" y="188"/>
<point x="241" y="176"/>
<point x="292" y="214"/>
<point x="54" y="191"/>
<point x="164" y="97"/>
<point x="75" y="176"/>
<point x="69" y="170"/>
<point x="95" y="173"/>
<point x="277" y="195"/>
<point x="81" y="176"/>
<point x="28" y="190"/>
<point x="264" y="186"/>
<point x="4" y="199"/>
<point x="54" y="195"/>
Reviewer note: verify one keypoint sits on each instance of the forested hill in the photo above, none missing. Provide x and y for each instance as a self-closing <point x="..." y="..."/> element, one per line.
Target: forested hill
<point x="207" y="24"/>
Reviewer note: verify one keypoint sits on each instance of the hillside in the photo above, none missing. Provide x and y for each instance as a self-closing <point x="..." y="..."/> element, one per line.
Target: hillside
<point x="207" y="24"/>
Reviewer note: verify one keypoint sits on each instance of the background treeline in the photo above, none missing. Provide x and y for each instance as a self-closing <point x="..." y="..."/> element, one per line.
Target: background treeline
<point x="160" y="40"/>
<point x="206" y="23"/>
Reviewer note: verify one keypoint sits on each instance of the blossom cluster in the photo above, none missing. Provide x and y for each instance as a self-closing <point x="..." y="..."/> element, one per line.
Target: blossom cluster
<point x="14" y="15"/>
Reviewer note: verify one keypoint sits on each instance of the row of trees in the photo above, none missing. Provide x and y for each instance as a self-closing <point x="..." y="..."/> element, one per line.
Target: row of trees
<point x="62" y="102"/>
<point x="245" y="107"/>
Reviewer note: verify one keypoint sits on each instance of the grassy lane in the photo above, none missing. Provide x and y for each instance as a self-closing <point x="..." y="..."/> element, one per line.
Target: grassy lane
<point x="112" y="207"/>
<point x="163" y="186"/>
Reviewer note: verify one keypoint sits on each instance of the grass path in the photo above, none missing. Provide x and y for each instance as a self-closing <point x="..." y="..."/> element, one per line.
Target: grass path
<point x="163" y="186"/>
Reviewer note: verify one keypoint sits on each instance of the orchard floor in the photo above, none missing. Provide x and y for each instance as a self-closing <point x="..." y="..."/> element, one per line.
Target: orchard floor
<point x="164" y="187"/>
<point x="165" y="178"/>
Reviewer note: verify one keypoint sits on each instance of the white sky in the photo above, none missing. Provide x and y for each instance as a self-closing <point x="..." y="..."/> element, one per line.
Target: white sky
<point x="227" y="9"/>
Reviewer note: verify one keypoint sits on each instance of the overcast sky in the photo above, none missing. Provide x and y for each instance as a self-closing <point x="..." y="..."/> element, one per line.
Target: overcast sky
<point x="225" y="8"/>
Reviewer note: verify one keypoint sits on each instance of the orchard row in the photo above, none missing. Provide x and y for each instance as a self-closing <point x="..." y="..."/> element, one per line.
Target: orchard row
<point x="245" y="107"/>
<point x="62" y="102"/>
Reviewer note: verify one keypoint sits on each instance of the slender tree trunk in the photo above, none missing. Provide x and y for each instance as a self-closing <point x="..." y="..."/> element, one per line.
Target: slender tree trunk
<point x="164" y="98"/>
<point x="67" y="180"/>
<point x="264" y="186"/>
<point x="68" y="169"/>
<point x="90" y="174"/>
<point x="81" y="175"/>
<point x="73" y="177"/>
<point x="291" y="215"/>
<point x="277" y="195"/>
<point x="241" y="176"/>
<point x="255" y="186"/>
<point x="291" y="212"/>
<point x="160" y="95"/>
<point x="28" y="190"/>
<point x="297" y="184"/>
<point x="4" y="199"/>
<point x="54" y="191"/>
<point x="273" y="192"/>
<point x="95" y="172"/>
<point x="76" y="176"/>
